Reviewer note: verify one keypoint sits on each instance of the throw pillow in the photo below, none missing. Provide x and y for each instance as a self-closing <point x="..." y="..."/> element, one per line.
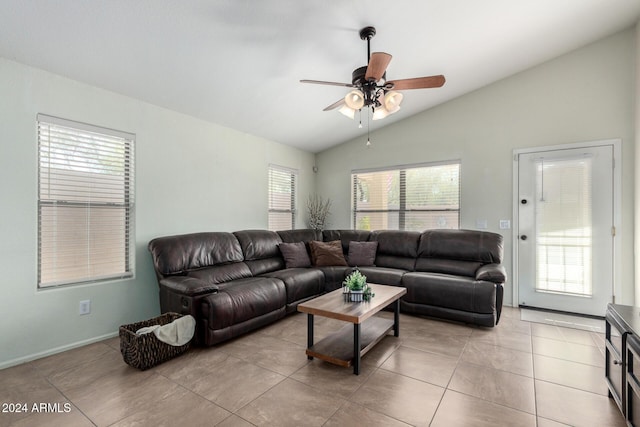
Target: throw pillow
<point x="327" y="253"/>
<point x="295" y="255"/>
<point x="362" y="254"/>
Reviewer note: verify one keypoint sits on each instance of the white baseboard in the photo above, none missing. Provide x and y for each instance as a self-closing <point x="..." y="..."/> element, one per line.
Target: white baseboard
<point x="35" y="356"/>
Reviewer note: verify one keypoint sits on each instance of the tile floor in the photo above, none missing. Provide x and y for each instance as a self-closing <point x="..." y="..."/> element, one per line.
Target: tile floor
<point x="436" y="373"/>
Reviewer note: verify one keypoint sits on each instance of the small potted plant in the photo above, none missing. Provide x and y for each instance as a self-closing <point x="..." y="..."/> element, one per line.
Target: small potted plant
<point x="355" y="285"/>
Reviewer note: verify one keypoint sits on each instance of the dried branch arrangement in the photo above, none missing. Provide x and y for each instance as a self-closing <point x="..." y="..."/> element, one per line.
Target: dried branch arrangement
<point x="318" y="212"/>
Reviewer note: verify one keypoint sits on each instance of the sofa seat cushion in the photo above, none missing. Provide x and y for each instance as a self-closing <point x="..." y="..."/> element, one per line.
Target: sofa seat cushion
<point x="383" y="275"/>
<point x="454" y="292"/>
<point x="300" y="283"/>
<point x="241" y="300"/>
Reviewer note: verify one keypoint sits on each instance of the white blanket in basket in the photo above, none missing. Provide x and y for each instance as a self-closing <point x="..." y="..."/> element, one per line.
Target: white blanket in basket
<point x="177" y="333"/>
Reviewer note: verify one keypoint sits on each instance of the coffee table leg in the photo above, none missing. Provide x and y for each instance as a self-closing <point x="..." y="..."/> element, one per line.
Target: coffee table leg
<point x="396" y="319"/>
<point x="309" y="333"/>
<point x="356" y="348"/>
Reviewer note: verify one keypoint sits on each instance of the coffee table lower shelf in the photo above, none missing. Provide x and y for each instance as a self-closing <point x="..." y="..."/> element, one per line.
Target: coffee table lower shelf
<point x="338" y="348"/>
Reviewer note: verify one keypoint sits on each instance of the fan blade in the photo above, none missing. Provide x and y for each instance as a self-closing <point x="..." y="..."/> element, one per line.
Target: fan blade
<point x="335" y="105"/>
<point x="321" y="82"/>
<point x="418" y="83"/>
<point x="378" y="64"/>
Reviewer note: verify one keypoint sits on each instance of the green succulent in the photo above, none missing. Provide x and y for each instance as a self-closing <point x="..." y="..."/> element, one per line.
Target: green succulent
<point x="355" y="281"/>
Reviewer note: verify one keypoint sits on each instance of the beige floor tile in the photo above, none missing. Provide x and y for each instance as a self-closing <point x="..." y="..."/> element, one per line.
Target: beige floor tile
<point x="421" y="365"/>
<point x="460" y="410"/>
<point x="568" y="351"/>
<point x="291" y="403"/>
<point x="543" y="422"/>
<point x="180" y="408"/>
<point x="500" y="387"/>
<point x="114" y="343"/>
<point x="194" y="364"/>
<point x="502" y="338"/>
<point x="72" y="418"/>
<point x="504" y="359"/>
<point x="234" y="383"/>
<point x="244" y="382"/>
<point x="442" y="344"/>
<point x="23" y="384"/>
<point x="331" y="379"/>
<point x="576" y="407"/>
<point x="271" y="353"/>
<point x="570" y="374"/>
<point x="546" y="331"/>
<point x="234" y="421"/>
<point x="83" y="375"/>
<point x="403" y="398"/>
<point x="113" y="397"/>
<point x="578" y="336"/>
<point x="72" y="358"/>
<point x="351" y="414"/>
<point x="381" y="351"/>
<point x="513" y="324"/>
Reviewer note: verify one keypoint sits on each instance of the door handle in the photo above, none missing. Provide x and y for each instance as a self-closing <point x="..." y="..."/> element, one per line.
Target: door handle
<point x="523" y="237"/>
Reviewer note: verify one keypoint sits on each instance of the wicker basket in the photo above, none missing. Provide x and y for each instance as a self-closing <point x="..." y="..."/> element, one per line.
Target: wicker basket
<point x="146" y="350"/>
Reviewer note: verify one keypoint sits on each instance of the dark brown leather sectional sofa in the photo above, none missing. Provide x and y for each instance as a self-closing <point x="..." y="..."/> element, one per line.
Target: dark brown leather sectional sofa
<point x="235" y="282"/>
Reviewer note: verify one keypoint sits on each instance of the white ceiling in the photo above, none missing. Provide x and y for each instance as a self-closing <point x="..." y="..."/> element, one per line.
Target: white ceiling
<point x="238" y="62"/>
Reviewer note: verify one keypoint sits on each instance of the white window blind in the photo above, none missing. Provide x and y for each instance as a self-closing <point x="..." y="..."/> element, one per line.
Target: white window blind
<point x="413" y="198"/>
<point x="564" y="226"/>
<point x="85" y="203"/>
<point x="282" y="198"/>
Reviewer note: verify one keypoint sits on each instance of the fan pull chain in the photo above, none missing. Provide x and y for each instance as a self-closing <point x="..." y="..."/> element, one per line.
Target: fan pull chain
<point x="368" y="131"/>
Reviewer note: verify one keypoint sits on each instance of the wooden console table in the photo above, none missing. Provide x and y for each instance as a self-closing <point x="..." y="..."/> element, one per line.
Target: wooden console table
<point x="622" y="359"/>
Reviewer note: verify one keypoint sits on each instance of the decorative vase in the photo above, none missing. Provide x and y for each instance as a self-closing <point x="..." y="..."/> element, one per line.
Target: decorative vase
<point x="356" y="296"/>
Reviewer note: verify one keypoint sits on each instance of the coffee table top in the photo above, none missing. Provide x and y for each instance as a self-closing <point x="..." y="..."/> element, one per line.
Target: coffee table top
<point x="334" y="306"/>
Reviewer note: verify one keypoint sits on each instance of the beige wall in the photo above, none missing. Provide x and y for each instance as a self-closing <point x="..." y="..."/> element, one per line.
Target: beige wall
<point x="189" y="177"/>
<point x="585" y="95"/>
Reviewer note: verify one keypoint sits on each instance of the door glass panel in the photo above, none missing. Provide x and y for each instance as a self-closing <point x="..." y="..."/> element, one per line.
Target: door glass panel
<point x="563" y="224"/>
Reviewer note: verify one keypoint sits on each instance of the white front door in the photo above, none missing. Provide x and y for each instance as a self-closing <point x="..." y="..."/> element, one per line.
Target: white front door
<point x="565" y="229"/>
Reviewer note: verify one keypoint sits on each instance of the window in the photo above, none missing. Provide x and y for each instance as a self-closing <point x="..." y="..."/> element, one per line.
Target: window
<point x="282" y="198"/>
<point x="85" y="203"/>
<point x="406" y="198"/>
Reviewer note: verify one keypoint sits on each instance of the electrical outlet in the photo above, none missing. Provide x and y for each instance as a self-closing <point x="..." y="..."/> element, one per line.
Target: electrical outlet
<point x="481" y="224"/>
<point x="505" y="224"/>
<point x="85" y="307"/>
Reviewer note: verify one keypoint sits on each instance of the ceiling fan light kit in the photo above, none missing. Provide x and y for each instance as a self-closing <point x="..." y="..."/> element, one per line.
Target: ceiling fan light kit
<point x="370" y="87"/>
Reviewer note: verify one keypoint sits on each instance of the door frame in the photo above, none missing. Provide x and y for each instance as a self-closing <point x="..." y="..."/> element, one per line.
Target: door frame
<point x="617" y="208"/>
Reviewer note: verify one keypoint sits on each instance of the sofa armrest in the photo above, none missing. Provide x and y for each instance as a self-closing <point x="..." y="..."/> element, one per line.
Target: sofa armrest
<point x="188" y="285"/>
<point x="495" y="273"/>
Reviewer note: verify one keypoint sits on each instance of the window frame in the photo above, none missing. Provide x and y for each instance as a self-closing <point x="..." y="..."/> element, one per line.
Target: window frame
<point x="402" y="209"/>
<point x="46" y="124"/>
<point x="292" y="210"/>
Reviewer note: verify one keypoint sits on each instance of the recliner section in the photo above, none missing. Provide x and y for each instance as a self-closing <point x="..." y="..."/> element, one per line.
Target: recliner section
<point x="233" y="283"/>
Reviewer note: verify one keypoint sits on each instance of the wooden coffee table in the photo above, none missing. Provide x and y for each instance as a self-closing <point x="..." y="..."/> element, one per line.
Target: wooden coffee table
<point x="346" y="346"/>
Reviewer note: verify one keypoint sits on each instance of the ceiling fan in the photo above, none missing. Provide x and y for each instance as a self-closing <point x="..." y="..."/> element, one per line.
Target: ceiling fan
<point x="370" y="87"/>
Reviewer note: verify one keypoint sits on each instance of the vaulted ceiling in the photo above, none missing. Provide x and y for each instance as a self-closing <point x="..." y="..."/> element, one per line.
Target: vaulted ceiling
<point x="238" y="62"/>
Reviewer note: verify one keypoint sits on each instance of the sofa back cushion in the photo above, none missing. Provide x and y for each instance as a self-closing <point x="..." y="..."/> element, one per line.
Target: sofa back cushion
<point x="327" y="254"/>
<point x="179" y="254"/>
<point x="345" y="237"/>
<point x="459" y="252"/>
<point x="260" y="249"/>
<point x="396" y="249"/>
<point x="300" y="235"/>
<point x="221" y="273"/>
